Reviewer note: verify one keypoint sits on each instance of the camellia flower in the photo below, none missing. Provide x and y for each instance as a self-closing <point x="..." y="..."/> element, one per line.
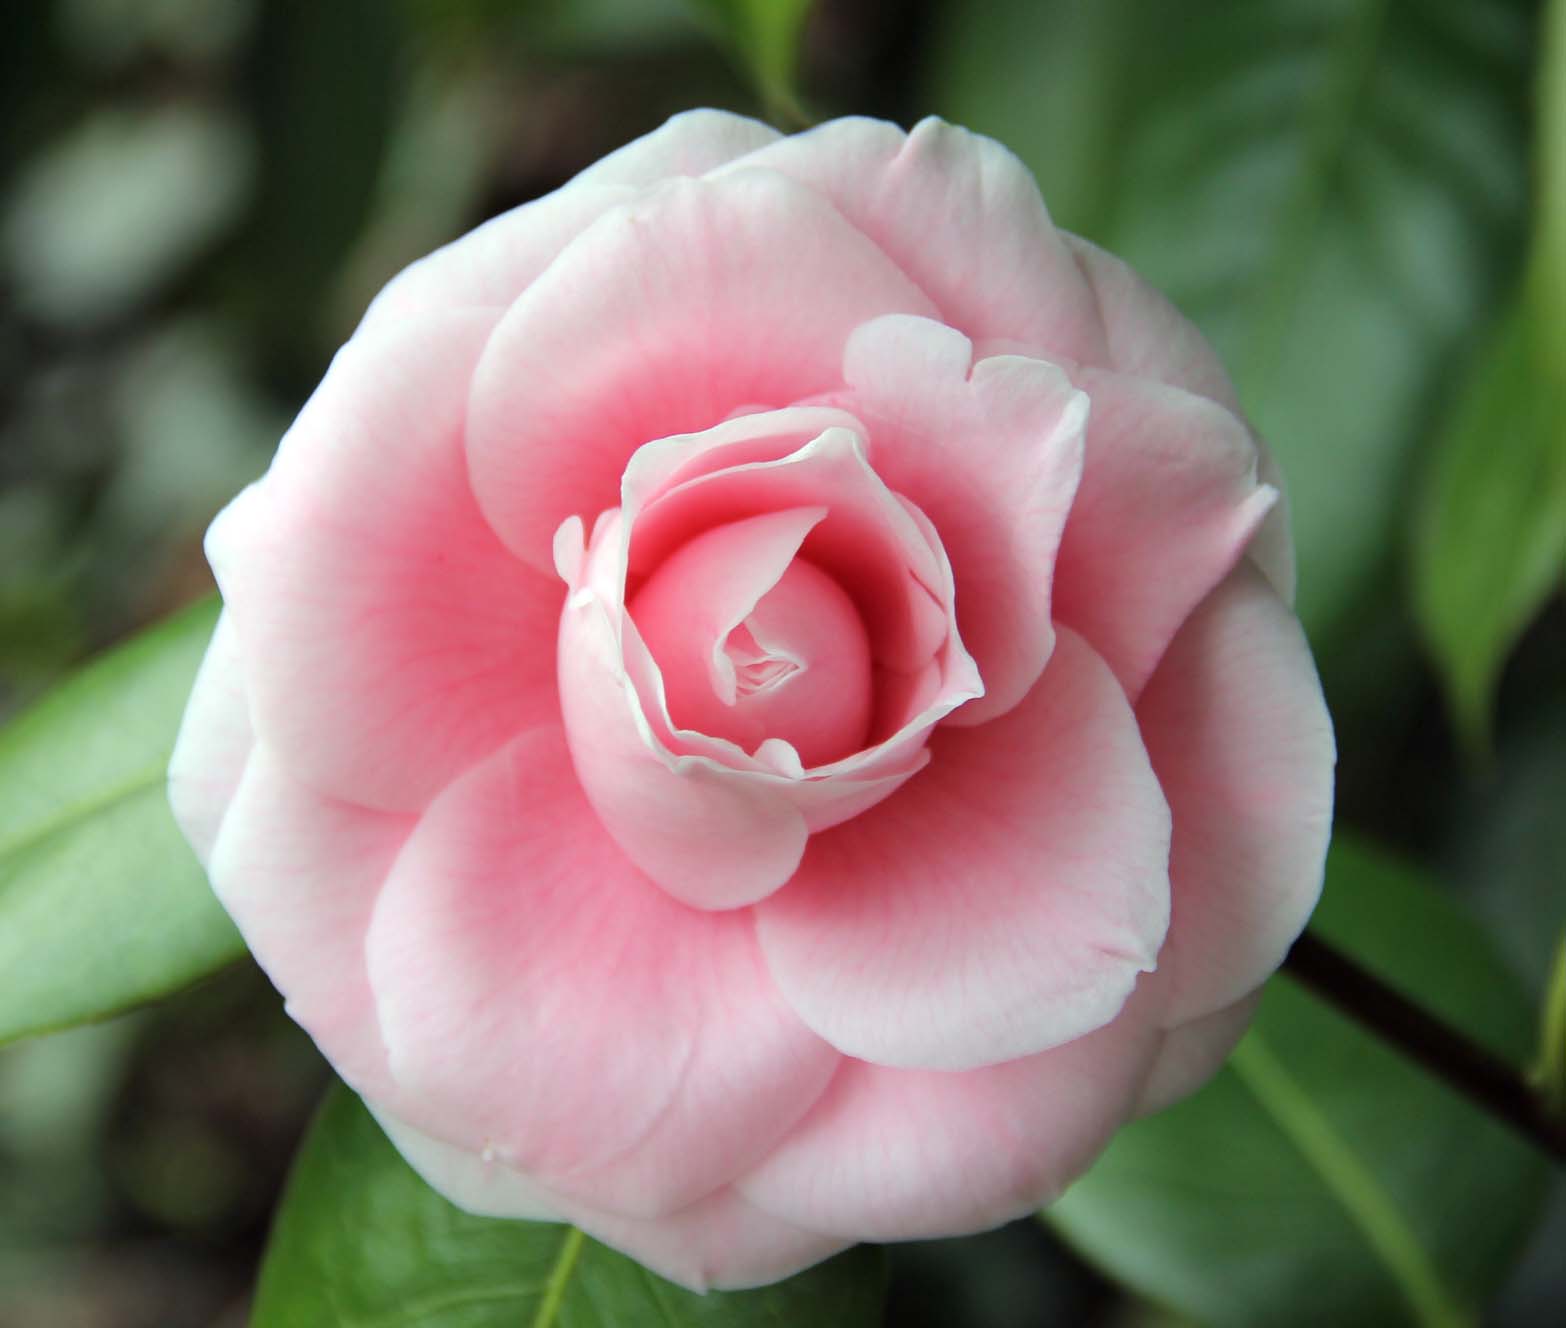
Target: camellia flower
<point x="757" y="706"/>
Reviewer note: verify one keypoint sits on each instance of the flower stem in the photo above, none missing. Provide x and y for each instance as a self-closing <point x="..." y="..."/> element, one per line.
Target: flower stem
<point x="1483" y="1077"/>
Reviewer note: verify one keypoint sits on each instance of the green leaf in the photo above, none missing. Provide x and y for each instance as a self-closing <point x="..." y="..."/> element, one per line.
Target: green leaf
<point x="1490" y="542"/>
<point x="102" y="905"/>
<point x="1334" y="190"/>
<point x="1321" y="1177"/>
<point x="767" y="33"/>
<point x="360" y="1240"/>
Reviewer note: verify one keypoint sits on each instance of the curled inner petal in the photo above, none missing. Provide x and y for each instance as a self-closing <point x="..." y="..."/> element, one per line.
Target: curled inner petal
<point x="795" y="667"/>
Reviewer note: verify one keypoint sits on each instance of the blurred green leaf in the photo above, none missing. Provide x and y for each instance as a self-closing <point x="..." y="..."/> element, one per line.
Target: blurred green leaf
<point x="1490" y="544"/>
<point x="1334" y="190"/>
<point x="1490" y="540"/>
<point x="1320" y="1177"/>
<point x="767" y="33"/>
<point x="102" y="905"/>
<point x="327" y="81"/>
<point x="360" y="1239"/>
<point x="1550" y="1068"/>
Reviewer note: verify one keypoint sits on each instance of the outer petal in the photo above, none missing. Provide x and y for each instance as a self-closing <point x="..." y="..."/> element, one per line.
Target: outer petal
<point x="1192" y="1053"/>
<point x="722" y="1241"/>
<point x="542" y="999"/>
<point x="390" y="639"/>
<point x="1002" y="903"/>
<point x="993" y="460"/>
<point x="903" y="1154"/>
<point x="299" y="873"/>
<point x="215" y="740"/>
<point x="746" y="289"/>
<point x="691" y="143"/>
<point x="493" y="264"/>
<point x="962" y="216"/>
<point x="479" y="1183"/>
<point x="1149" y="337"/>
<point x="1168" y="503"/>
<point x="1239" y="735"/>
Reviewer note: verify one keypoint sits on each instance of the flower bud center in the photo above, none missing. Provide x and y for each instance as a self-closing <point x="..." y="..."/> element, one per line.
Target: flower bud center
<point x="795" y="668"/>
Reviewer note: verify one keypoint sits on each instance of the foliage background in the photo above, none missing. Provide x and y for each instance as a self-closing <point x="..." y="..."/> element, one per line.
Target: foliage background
<point x="1352" y="197"/>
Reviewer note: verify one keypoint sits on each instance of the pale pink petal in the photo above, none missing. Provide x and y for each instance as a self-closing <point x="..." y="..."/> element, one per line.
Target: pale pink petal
<point x="721" y="1242"/>
<point x="390" y="640"/>
<point x="490" y="266"/>
<point x="706" y="837"/>
<point x="991" y="453"/>
<point x="1149" y="337"/>
<point x="1169" y="500"/>
<point x="746" y="289"/>
<point x="493" y="264"/>
<point x="1191" y="1054"/>
<point x="1239" y="734"/>
<point x="473" y="1181"/>
<point x="1002" y="903"/>
<point x="543" y="1001"/>
<point x="215" y="741"/>
<point x="299" y="873"/>
<point x="690" y="143"/>
<point x="666" y="463"/>
<point x="868" y="540"/>
<point x="754" y="643"/>
<point x="962" y="216"/>
<point x="903" y="1154"/>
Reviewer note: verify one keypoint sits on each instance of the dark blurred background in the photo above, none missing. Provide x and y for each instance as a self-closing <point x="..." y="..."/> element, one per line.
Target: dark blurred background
<point x="198" y="198"/>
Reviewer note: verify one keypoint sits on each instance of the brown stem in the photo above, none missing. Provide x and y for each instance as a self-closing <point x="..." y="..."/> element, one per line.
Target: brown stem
<point x="1486" y="1079"/>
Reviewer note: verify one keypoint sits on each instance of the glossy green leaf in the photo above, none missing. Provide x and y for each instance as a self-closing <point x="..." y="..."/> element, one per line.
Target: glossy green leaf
<point x="767" y="33"/>
<point x="1334" y="190"/>
<point x="102" y="905"/>
<point x="1320" y="1177"/>
<point x="1490" y="542"/>
<point x="361" y="1240"/>
<point x="327" y="78"/>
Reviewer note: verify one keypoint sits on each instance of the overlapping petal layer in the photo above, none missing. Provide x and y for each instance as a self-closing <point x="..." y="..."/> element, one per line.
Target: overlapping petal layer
<point x="390" y="639"/>
<point x="587" y="366"/>
<point x="543" y="1001"/>
<point x="1252" y="818"/>
<point x="890" y="1154"/>
<point x="1002" y="903"/>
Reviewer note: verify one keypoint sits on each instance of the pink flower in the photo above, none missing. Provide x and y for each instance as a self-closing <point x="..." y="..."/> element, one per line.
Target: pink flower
<point x="757" y="707"/>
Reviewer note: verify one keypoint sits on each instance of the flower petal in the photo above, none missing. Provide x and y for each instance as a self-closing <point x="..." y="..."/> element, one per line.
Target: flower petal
<point x="390" y="640"/>
<point x="690" y="143"/>
<point x="214" y="743"/>
<point x="721" y="1241"/>
<point x="1239" y="734"/>
<point x="992" y="455"/>
<point x="1002" y="903"/>
<point x="1193" y="1052"/>
<point x="707" y="837"/>
<point x="907" y="1154"/>
<point x="587" y="366"/>
<point x="540" y="998"/>
<point x="299" y="873"/>
<point x="493" y="264"/>
<point x="1150" y="338"/>
<point x="1169" y="501"/>
<point x="962" y="216"/>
